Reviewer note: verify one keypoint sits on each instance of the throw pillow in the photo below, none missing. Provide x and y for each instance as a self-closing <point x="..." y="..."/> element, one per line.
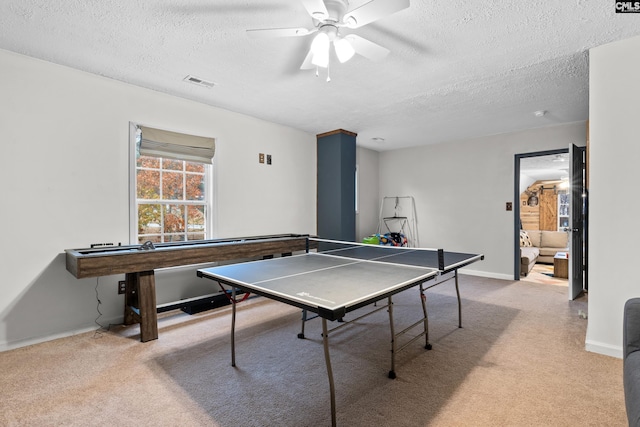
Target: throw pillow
<point x="524" y="239"/>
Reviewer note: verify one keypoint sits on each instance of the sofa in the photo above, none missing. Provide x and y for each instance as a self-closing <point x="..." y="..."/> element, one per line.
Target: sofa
<point x="631" y="360"/>
<point x="540" y="246"/>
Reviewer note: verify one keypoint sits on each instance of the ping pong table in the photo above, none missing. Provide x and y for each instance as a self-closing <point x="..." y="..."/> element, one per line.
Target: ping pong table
<point x="340" y="277"/>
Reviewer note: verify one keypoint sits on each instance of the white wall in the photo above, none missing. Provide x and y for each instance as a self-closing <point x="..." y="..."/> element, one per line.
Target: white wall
<point x="64" y="138"/>
<point x="65" y="172"/>
<point x="368" y="189"/>
<point x="614" y="98"/>
<point x="461" y="190"/>
<point x="525" y="182"/>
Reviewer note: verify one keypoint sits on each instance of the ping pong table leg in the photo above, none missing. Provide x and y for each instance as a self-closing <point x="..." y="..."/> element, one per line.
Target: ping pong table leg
<point x="304" y="320"/>
<point x="459" y="304"/>
<point x="233" y="326"/>
<point x="327" y="359"/>
<point x="392" y="372"/>
<point x="423" y="299"/>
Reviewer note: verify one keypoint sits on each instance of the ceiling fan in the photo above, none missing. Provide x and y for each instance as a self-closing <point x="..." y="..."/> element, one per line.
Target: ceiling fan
<point x="329" y="17"/>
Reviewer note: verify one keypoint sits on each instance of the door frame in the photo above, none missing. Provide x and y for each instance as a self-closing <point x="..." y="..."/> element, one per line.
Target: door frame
<point x="516" y="203"/>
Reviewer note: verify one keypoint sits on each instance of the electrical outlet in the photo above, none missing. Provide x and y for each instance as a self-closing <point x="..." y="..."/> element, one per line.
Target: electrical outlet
<point x="122" y="287"/>
<point x="261" y="157"/>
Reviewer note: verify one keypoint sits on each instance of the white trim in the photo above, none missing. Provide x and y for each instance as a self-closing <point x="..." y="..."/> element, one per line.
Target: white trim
<point x="212" y="191"/>
<point x="133" y="207"/>
<point x="486" y="274"/>
<point x="12" y="345"/>
<point x="603" y="348"/>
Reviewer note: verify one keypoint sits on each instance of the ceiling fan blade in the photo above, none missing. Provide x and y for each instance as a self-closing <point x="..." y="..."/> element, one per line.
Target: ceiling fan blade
<point x="373" y="11"/>
<point x="316" y="9"/>
<point x="280" y="32"/>
<point x="307" y="64"/>
<point x="366" y="48"/>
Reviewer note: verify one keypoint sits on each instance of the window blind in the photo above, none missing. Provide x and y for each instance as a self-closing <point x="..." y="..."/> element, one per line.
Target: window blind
<point x="174" y="145"/>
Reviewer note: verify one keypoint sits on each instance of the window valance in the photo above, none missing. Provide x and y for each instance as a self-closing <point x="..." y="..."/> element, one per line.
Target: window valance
<point x="174" y="145"/>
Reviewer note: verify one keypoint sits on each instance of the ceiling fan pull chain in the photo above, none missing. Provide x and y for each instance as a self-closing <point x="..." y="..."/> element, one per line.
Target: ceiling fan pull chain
<point x="317" y="71"/>
<point x="328" y="73"/>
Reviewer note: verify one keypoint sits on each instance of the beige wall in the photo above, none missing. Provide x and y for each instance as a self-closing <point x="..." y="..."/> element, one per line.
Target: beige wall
<point x="65" y="175"/>
<point x="614" y="110"/>
<point x="368" y="185"/>
<point x="461" y="190"/>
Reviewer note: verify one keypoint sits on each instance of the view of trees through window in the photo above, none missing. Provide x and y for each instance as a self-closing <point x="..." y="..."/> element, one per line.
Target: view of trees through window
<point x="170" y="200"/>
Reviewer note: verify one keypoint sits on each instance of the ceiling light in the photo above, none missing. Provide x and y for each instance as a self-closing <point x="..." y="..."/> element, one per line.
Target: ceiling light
<point x="540" y="113"/>
<point x="344" y="50"/>
<point x="321" y="59"/>
<point x="320" y="50"/>
<point x="320" y="43"/>
<point x="377" y="139"/>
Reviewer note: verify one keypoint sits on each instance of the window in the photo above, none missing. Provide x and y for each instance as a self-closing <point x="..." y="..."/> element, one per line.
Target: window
<point x="172" y="195"/>
<point x="564" y="199"/>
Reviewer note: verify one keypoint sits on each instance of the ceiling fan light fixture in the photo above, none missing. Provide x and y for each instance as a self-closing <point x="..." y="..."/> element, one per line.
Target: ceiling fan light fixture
<point x="320" y="44"/>
<point x="320" y="50"/>
<point x="321" y="59"/>
<point x="328" y="17"/>
<point x="344" y="50"/>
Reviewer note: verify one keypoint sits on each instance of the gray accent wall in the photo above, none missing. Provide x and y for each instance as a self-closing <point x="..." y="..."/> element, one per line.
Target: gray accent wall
<point x="336" y="154"/>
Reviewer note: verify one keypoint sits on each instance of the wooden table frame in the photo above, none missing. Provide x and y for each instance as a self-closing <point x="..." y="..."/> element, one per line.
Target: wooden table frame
<point x="139" y="267"/>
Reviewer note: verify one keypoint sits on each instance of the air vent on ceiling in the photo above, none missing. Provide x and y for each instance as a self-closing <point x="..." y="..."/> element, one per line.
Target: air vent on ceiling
<point x="198" y="81"/>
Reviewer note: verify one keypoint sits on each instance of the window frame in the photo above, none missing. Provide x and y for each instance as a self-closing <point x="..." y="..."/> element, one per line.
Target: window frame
<point x="210" y="175"/>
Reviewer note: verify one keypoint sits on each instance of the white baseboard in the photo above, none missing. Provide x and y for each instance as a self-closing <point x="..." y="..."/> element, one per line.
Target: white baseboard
<point x="605" y="349"/>
<point x="11" y="345"/>
<point x="486" y="274"/>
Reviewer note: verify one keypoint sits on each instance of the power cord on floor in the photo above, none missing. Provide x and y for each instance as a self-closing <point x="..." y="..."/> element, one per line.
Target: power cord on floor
<point x="98" y="333"/>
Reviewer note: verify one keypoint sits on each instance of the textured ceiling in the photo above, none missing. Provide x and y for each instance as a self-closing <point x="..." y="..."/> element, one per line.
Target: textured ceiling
<point x="555" y="166"/>
<point x="457" y="69"/>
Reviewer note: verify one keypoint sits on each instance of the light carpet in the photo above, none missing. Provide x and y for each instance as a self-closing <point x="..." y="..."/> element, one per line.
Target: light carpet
<point x="519" y="360"/>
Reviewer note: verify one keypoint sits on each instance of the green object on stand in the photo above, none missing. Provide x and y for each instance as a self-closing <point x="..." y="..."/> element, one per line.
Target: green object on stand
<point x="371" y="240"/>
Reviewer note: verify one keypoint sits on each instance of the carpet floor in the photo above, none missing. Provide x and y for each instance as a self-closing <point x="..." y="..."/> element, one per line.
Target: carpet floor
<point x="519" y="360"/>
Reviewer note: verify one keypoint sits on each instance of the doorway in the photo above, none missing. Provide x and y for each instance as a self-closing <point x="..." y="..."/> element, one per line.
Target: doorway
<point x="550" y="201"/>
